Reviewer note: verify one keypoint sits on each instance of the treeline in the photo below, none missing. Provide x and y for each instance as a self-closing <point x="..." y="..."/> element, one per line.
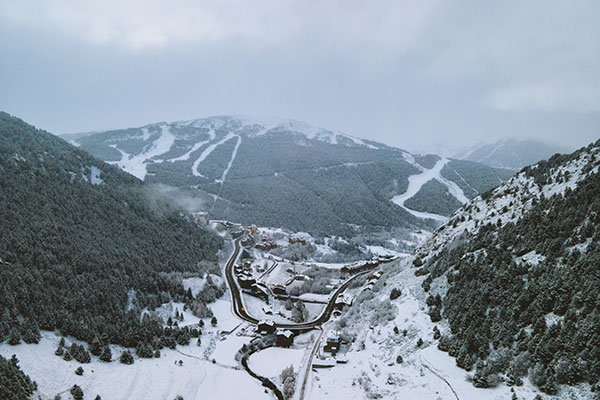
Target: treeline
<point x="84" y="258"/>
<point x="14" y="384"/>
<point x="512" y="318"/>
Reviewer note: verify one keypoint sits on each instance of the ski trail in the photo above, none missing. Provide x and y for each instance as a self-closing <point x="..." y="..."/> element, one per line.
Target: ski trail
<point x="207" y="152"/>
<point x="186" y="156"/>
<point x="136" y="165"/>
<point x="233" y="155"/>
<point x="416" y="182"/>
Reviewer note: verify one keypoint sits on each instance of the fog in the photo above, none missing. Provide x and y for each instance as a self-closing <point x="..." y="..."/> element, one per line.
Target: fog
<point x="425" y="76"/>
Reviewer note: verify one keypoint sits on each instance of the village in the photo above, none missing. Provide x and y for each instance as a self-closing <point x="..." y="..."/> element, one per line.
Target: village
<point x="282" y="300"/>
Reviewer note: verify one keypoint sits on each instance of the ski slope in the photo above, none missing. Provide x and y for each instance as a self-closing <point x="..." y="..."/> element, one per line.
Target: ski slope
<point x="136" y="165"/>
<point x="416" y="182"/>
<point x="233" y="155"/>
<point x="207" y="152"/>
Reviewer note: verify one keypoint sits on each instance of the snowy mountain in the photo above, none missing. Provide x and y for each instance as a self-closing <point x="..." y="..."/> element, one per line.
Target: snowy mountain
<point x="291" y="174"/>
<point x="510" y="153"/>
<point x="517" y="274"/>
<point x="83" y="248"/>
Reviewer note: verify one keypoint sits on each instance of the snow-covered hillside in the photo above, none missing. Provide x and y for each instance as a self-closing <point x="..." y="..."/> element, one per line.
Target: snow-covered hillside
<point x="511" y="200"/>
<point x="291" y="174"/>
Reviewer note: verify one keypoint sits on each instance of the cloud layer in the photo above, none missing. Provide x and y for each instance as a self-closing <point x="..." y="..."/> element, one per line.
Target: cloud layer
<point x="408" y="73"/>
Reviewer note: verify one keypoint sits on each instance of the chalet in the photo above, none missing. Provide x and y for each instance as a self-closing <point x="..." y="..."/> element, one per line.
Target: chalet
<point x="333" y="344"/>
<point x="376" y="275"/>
<point x="295" y="239"/>
<point x="284" y="338"/>
<point x="247" y="241"/>
<point x="278" y="289"/>
<point x="266" y="244"/>
<point x="246" y="281"/>
<point x="266" y="326"/>
<point x="267" y="310"/>
<point x="342" y="301"/>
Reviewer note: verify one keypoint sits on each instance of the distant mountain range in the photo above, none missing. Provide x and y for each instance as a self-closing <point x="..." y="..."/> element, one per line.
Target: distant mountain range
<point x="510" y="153"/>
<point x="291" y="174"/>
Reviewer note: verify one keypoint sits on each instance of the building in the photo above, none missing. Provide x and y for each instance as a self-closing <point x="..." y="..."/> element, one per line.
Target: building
<point x="247" y="241"/>
<point x="284" y="338"/>
<point x="201" y="217"/>
<point x="333" y="344"/>
<point x="342" y="301"/>
<point x="279" y="289"/>
<point x="266" y="244"/>
<point x="266" y="326"/>
<point x="246" y="281"/>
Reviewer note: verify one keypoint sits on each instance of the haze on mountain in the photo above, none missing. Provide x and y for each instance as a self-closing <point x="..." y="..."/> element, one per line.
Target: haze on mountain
<point x="512" y="154"/>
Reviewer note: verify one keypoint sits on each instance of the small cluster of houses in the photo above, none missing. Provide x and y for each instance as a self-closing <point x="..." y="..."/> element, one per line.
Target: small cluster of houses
<point x="243" y="272"/>
<point x="296" y="239"/>
<point x="283" y="337"/>
<point x="373" y="278"/>
<point x="266" y="244"/>
<point x="360" y="266"/>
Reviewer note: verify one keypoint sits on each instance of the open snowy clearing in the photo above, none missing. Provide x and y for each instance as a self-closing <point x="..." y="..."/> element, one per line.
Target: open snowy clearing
<point x="270" y="362"/>
<point x="146" y="379"/>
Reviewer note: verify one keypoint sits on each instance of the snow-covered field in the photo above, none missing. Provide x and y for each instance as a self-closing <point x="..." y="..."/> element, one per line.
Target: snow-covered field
<point x="147" y="379"/>
<point x="156" y="378"/>
<point x="270" y="362"/>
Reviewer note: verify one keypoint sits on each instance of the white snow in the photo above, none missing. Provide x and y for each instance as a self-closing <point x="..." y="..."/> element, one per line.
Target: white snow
<point x="207" y="152"/>
<point x="151" y="379"/>
<point x="383" y="251"/>
<point x="416" y="182"/>
<point x="270" y="362"/>
<point x="136" y="164"/>
<point x="233" y="155"/>
<point x="197" y="284"/>
<point x="508" y="202"/>
<point x="95" y="176"/>
<point x="186" y="156"/>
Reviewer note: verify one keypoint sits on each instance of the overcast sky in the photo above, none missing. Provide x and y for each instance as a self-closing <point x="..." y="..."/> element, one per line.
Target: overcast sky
<point x="422" y="75"/>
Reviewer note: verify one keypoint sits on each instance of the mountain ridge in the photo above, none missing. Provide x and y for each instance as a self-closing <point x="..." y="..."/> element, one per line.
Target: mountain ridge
<point x="334" y="180"/>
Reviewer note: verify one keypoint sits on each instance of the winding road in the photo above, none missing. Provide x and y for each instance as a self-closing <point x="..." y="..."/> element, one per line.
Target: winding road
<point x="240" y="311"/>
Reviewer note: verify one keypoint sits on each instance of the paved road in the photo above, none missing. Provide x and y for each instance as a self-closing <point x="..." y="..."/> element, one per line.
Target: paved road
<point x="240" y="311"/>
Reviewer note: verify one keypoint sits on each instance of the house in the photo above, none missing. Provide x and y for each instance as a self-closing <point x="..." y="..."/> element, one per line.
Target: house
<point x="266" y="244"/>
<point x="342" y="301"/>
<point x="246" y="281"/>
<point x="266" y="326"/>
<point x="284" y="338"/>
<point x="247" y="241"/>
<point x="279" y="289"/>
<point x="333" y="344"/>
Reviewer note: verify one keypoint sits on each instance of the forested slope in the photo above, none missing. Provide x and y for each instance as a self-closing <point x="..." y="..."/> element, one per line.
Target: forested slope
<point x="519" y="274"/>
<point x="81" y="250"/>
